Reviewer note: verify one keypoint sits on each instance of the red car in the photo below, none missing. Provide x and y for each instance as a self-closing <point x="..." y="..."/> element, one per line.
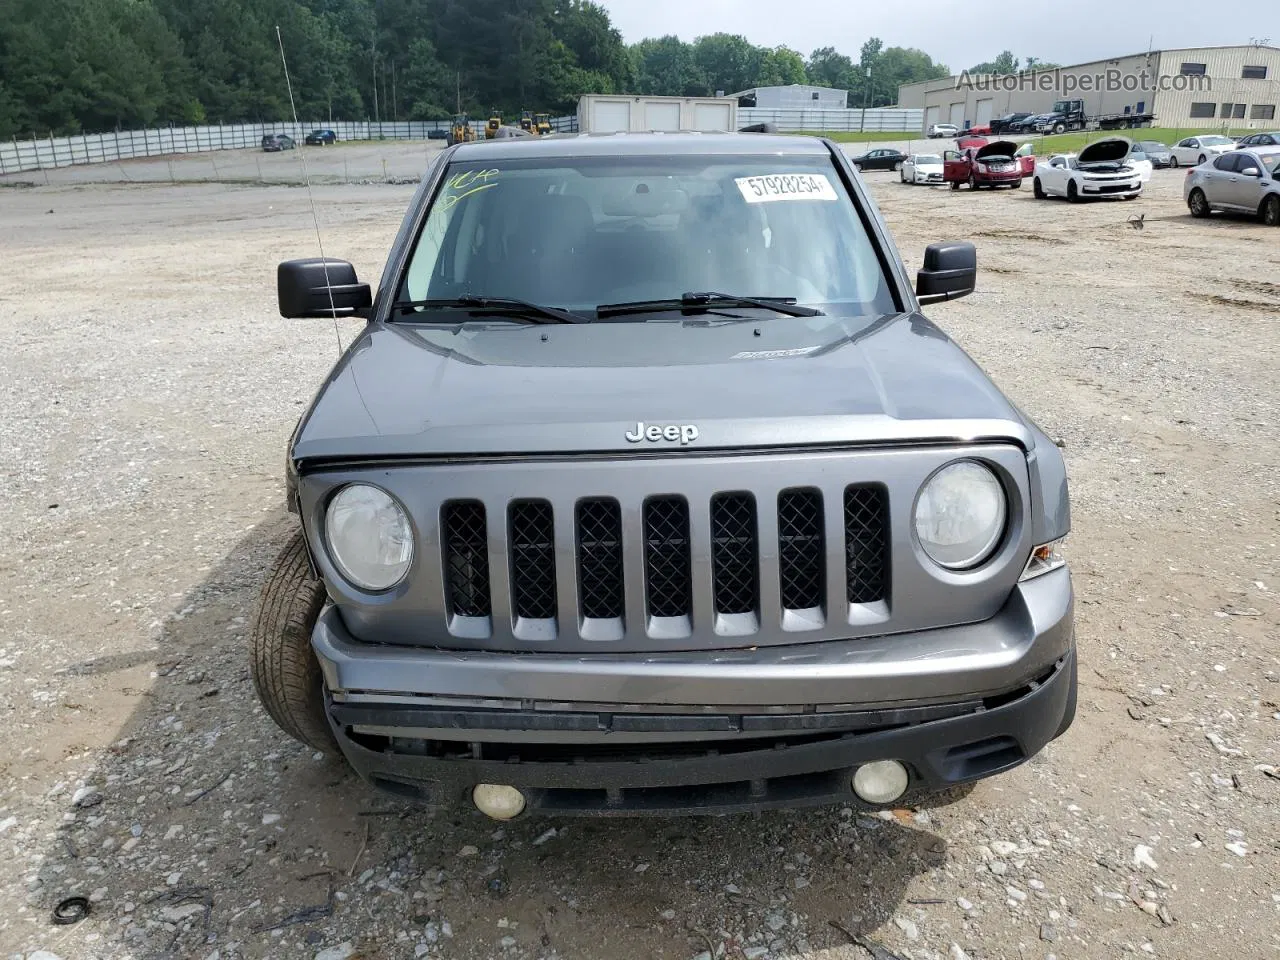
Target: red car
<point x="990" y="165"/>
<point x="969" y="140"/>
<point x="1026" y="158"/>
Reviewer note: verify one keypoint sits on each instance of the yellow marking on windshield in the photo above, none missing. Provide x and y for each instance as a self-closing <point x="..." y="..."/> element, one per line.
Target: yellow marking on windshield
<point x="470" y="183"/>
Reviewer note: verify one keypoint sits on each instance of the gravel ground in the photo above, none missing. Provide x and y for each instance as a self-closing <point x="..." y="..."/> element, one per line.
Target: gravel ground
<point x="149" y="389"/>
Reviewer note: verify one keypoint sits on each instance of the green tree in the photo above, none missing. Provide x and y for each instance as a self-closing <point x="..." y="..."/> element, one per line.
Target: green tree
<point x="729" y="62"/>
<point x="1005" y="63"/>
<point x="780" y="67"/>
<point x="666" y="66"/>
<point x="827" y="67"/>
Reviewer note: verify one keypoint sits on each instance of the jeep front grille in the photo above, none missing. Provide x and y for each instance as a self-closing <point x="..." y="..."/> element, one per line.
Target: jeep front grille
<point x="533" y="559"/>
<point x="466" y="558"/>
<point x="801" y="553"/>
<point x="735" y="553"/>
<point x="598" y="531"/>
<point x="865" y="543"/>
<point x="667" y="565"/>
<point x="682" y="548"/>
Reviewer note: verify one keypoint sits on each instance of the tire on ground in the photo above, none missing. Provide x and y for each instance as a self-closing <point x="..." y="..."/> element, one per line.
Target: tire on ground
<point x="285" y="671"/>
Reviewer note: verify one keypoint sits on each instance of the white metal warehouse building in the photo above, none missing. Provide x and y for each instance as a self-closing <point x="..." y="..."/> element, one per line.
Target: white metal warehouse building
<point x="796" y="96"/>
<point x="1199" y="87"/>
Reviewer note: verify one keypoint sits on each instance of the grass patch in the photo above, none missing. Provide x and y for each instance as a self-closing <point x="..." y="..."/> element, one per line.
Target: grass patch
<point x="1074" y="142"/>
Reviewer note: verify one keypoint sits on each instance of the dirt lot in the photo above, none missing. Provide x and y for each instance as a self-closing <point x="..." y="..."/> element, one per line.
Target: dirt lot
<point x="148" y="390"/>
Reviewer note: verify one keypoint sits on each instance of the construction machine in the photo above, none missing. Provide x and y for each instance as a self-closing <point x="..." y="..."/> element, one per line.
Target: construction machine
<point x="461" y="131"/>
<point x="526" y="122"/>
<point x="542" y="124"/>
<point x="491" y="128"/>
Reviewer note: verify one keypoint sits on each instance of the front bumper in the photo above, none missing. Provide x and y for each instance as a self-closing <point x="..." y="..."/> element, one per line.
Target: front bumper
<point x="711" y="731"/>
<point x="1111" y="188"/>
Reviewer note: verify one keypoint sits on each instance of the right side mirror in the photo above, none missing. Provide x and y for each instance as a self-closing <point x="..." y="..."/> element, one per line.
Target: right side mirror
<point x="1251" y="172"/>
<point x="321" y="288"/>
<point x="950" y="271"/>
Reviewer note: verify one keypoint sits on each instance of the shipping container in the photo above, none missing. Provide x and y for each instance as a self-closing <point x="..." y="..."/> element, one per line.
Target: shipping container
<point x="600" y="113"/>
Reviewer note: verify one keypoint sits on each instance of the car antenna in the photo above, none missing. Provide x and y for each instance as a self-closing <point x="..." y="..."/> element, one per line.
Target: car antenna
<point x="306" y="179"/>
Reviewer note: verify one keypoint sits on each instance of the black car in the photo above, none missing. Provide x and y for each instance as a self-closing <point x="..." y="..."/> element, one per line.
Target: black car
<point x="320" y="137"/>
<point x="880" y="159"/>
<point x="275" y="142"/>
<point x="1258" y="140"/>
<point x="437" y="134"/>
<point x="1008" y="123"/>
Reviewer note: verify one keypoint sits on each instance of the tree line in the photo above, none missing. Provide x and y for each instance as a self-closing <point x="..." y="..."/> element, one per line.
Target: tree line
<point x="72" y="66"/>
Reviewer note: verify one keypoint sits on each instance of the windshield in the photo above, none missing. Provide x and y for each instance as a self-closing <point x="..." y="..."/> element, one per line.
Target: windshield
<point x="1151" y="146"/>
<point x="928" y="158"/>
<point x="1273" y="165"/>
<point x="1136" y="154"/>
<point x="1214" y="141"/>
<point x="580" y="232"/>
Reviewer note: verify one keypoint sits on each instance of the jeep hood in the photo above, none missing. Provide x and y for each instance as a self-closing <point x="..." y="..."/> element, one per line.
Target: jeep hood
<point x="1109" y="150"/>
<point x="996" y="148"/>
<point x="484" y="388"/>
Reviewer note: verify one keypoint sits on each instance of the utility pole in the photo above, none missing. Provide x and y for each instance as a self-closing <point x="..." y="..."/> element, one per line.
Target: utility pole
<point x="866" y="93"/>
<point x="395" y="102"/>
<point x="459" y="107"/>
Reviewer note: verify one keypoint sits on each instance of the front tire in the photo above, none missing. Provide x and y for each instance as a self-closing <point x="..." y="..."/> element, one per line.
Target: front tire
<point x="1198" y="203"/>
<point x="1173" y="163"/>
<point x="1017" y="184"/>
<point x="1073" y="194"/>
<point x="1270" y="212"/>
<point x="1202" y="159"/>
<point x="1059" y="128"/>
<point x="284" y="669"/>
<point x="1037" y="190"/>
<point x="897" y="165"/>
<point x="973" y="182"/>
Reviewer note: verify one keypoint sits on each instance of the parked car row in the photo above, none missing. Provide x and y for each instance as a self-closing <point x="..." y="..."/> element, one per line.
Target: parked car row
<point x="1224" y="175"/>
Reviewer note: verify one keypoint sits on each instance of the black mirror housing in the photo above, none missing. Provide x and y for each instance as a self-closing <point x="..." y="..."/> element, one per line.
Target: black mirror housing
<point x="321" y="288"/>
<point x="950" y="271"/>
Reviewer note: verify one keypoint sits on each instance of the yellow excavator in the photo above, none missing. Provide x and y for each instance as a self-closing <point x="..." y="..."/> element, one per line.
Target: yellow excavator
<point x="542" y="124"/>
<point x="461" y="131"/>
<point x="491" y="128"/>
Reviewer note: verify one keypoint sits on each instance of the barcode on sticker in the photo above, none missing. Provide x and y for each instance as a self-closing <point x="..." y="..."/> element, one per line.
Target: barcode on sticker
<point x="786" y="186"/>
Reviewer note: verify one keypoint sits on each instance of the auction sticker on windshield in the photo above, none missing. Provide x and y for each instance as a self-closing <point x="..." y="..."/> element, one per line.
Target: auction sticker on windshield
<point x="786" y="186"/>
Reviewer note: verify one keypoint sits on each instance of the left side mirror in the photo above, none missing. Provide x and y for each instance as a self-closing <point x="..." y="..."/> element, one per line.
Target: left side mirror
<point x="950" y="271"/>
<point x="321" y="288"/>
<point x="1251" y="172"/>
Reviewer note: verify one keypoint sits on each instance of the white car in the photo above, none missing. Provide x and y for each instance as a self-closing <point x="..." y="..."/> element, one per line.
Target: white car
<point x="1194" y="151"/>
<point x="943" y="130"/>
<point x="1101" y="169"/>
<point x="922" y="168"/>
<point x="1242" y="181"/>
<point x="1138" y="160"/>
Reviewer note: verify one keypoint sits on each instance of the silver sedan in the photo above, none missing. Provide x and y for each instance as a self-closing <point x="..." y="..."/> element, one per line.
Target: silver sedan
<point x="1242" y="181"/>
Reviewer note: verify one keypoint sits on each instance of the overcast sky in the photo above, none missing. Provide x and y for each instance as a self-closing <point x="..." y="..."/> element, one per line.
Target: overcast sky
<point x="959" y="34"/>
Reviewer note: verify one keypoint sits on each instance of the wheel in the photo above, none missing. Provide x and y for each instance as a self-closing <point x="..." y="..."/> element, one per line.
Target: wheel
<point x="897" y="165"/>
<point x="1270" y="212"/>
<point x="1037" y="190"/>
<point x="284" y="669"/>
<point x="1173" y="163"/>
<point x="1017" y="184"/>
<point x="955" y="184"/>
<point x="1202" y="158"/>
<point x="902" y="175"/>
<point x="1197" y="203"/>
<point x="1059" y="127"/>
<point x="1073" y="195"/>
<point x="973" y="182"/>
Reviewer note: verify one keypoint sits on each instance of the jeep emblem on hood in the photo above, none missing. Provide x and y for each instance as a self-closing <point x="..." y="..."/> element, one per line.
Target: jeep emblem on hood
<point x="654" y="432"/>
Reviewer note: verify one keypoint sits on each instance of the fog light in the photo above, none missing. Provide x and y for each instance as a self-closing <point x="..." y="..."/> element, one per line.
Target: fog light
<point x="880" y="782"/>
<point x="498" y="801"/>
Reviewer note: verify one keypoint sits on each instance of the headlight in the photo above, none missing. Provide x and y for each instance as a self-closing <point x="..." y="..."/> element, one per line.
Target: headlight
<point x="960" y="515"/>
<point x="369" y="537"/>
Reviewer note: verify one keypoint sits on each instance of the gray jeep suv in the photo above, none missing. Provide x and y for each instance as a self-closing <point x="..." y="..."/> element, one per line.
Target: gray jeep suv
<point x="647" y="488"/>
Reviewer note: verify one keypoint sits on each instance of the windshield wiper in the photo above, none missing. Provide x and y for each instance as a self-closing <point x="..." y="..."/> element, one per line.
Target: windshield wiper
<point x="707" y="301"/>
<point x="517" y="309"/>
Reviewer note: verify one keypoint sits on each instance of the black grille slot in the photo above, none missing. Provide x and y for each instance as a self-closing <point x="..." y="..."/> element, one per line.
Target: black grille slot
<point x="865" y="542"/>
<point x="533" y="559"/>
<point x="466" y="558"/>
<point x="734" y="553"/>
<point x="666" y="557"/>
<point x="599" y="535"/>
<point x="802" y="565"/>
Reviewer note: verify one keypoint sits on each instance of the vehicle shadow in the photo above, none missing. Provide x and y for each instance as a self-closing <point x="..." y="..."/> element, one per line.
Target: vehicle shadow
<point x="212" y="831"/>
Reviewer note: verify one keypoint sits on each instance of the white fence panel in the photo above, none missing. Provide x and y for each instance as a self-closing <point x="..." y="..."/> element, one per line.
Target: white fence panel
<point x="879" y="119"/>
